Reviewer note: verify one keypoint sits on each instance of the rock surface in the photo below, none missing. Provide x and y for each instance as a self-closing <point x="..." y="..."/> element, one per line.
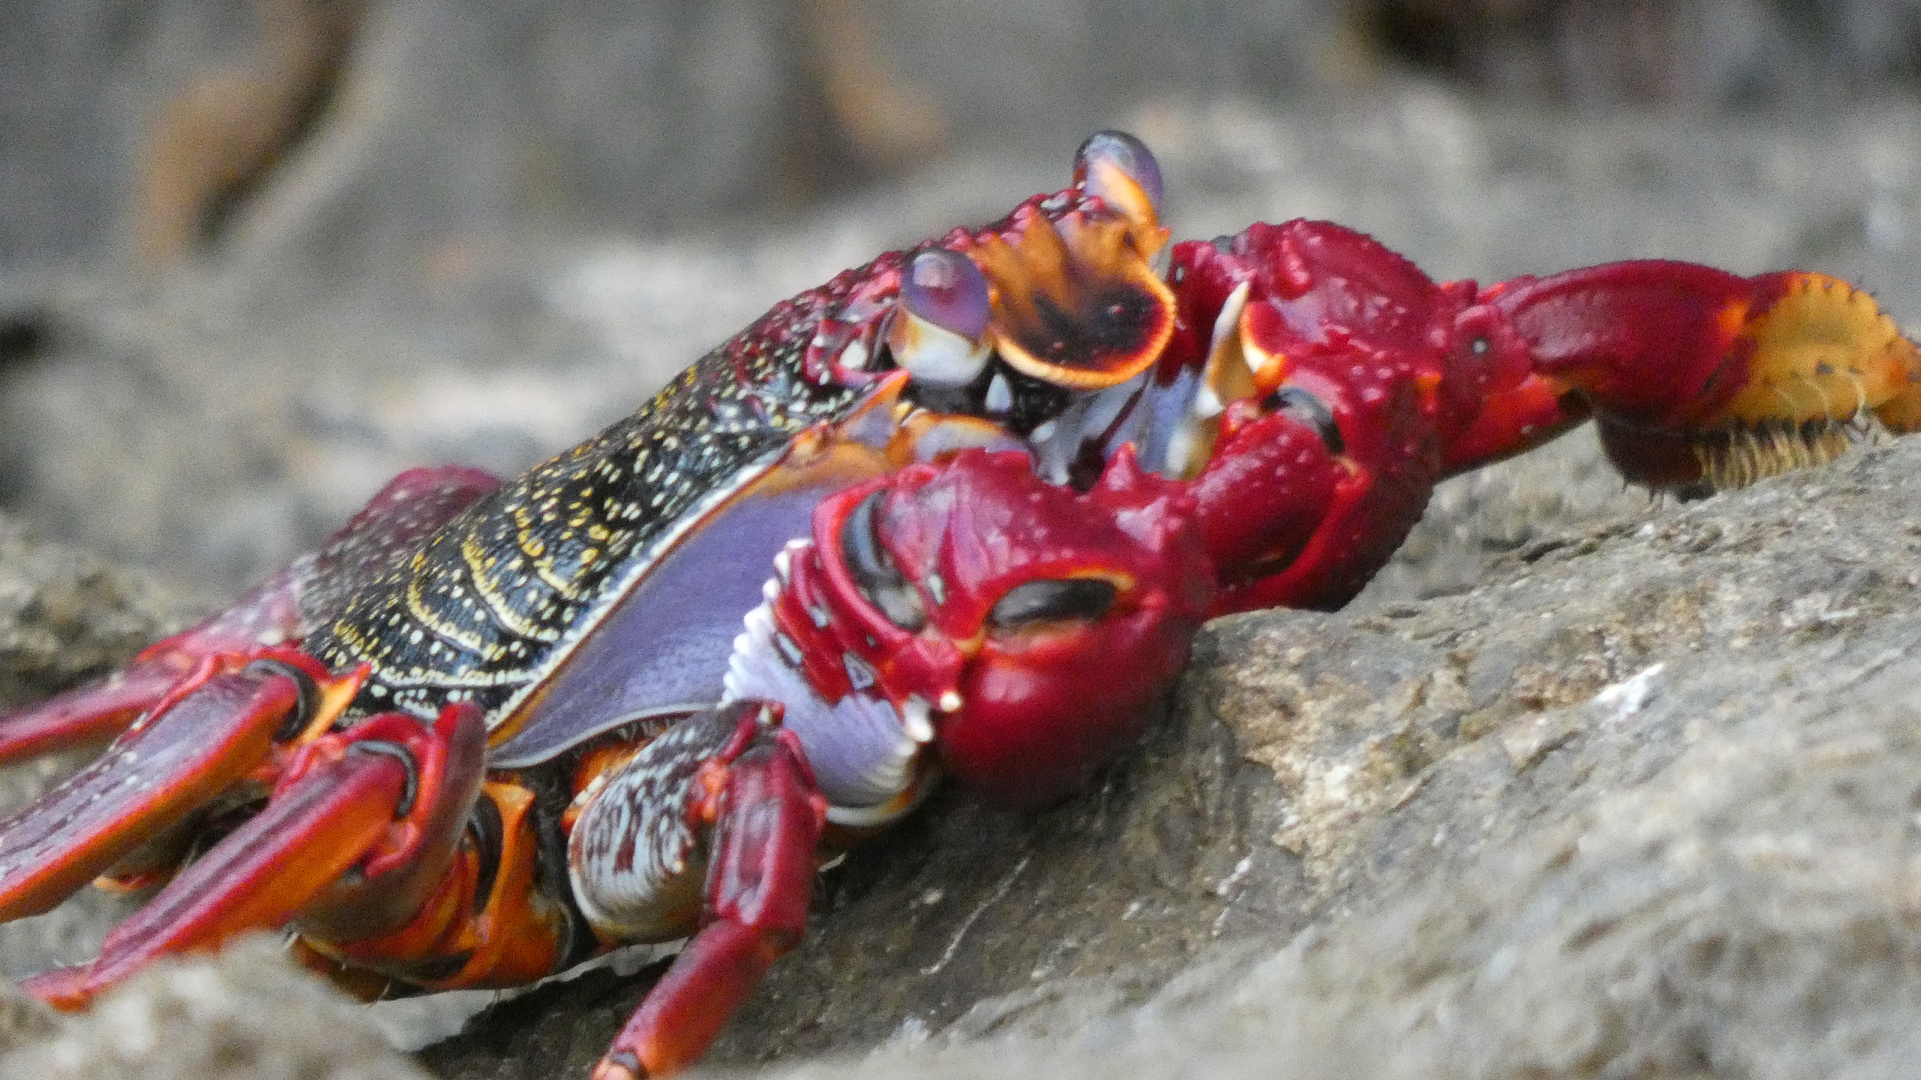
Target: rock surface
<point x="1641" y="803"/>
<point x="249" y="1015"/>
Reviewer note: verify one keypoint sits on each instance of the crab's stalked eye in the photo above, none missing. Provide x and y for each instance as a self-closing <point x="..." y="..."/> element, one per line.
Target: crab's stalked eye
<point x="879" y="579"/>
<point x="1121" y="170"/>
<point x="1053" y="600"/>
<point x="944" y="309"/>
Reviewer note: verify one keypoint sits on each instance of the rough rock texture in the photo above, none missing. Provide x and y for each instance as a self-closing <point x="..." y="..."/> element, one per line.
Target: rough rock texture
<point x="250" y="1015"/>
<point x="65" y="615"/>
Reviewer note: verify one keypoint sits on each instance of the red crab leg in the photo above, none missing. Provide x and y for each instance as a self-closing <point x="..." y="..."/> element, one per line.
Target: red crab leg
<point x="757" y="795"/>
<point x="217" y="729"/>
<point x="377" y="797"/>
<point x="92" y="713"/>
<point x="100" y="710"/>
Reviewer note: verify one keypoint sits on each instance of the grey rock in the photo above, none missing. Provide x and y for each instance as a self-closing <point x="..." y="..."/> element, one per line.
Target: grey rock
<point x="1708" y="872"/>
<point x="248" y="1014"/>
<point x="65" y="614"/>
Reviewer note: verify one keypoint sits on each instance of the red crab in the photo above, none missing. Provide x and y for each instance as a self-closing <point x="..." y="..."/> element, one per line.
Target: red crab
<point x="957" y="512"/>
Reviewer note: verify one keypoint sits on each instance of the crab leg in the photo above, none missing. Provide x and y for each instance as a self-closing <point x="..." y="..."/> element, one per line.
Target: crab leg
<point x="163" y="768"/>
<point x="636" y="867"/>
<point x="95" y="712"/>
<point x="383" y="798"/>
<point x="100" y="710"/>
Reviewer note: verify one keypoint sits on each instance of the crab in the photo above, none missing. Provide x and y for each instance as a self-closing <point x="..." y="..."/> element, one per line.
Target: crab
<point x="958" y="513"/>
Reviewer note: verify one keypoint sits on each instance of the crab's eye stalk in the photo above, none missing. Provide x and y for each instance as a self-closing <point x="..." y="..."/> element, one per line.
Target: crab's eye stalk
<point x="944" y="308"/>
<point x="880" y="581"/>
<point x="1122" y="171"/>
<point x="1053" y="601"/>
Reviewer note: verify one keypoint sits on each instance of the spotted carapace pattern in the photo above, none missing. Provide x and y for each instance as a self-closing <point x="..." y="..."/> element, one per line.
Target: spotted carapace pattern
<point x="476" y="612"/>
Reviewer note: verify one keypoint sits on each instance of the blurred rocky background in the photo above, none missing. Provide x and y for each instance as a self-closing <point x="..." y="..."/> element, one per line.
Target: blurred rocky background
<point x="258" y="255"/>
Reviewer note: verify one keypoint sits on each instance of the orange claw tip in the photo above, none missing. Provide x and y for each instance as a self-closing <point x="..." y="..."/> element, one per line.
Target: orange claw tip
<point x="1823" y="350"/>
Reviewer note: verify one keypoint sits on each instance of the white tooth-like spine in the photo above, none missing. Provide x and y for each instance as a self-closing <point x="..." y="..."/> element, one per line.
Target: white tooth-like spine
<point x="1000" y="396"/>
<point x="1227" y="325"/>
<point x="917" y="716"/>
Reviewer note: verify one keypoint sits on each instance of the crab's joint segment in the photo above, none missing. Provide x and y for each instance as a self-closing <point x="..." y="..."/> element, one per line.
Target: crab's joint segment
<point x="154" y="775"/>
<point x="254" y="879"/>
<point x="335" y="827"/>
<point x="410" y="788"/>
<point x="765" y="832"/>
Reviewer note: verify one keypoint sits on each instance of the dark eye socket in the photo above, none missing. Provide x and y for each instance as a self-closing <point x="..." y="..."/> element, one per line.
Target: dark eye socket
<point x="1312" y="411"/>
<point x="879" y="579"/>
<point x="1070" y="598"/>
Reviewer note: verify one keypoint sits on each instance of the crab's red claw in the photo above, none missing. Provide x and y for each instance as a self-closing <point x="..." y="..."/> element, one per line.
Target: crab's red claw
<point x="361" y="824"/>
<point x="1087" y="621"/>
<point x="1022" y="629"/>
<point x="1694" y="374"/>
<point x="1284" y="516"/>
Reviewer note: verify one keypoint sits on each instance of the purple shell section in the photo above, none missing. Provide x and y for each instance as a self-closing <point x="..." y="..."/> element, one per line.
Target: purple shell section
<point x="664" y="647"/>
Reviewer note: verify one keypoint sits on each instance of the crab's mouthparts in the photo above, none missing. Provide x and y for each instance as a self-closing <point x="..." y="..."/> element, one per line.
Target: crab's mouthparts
<point x="866" y="751"/>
